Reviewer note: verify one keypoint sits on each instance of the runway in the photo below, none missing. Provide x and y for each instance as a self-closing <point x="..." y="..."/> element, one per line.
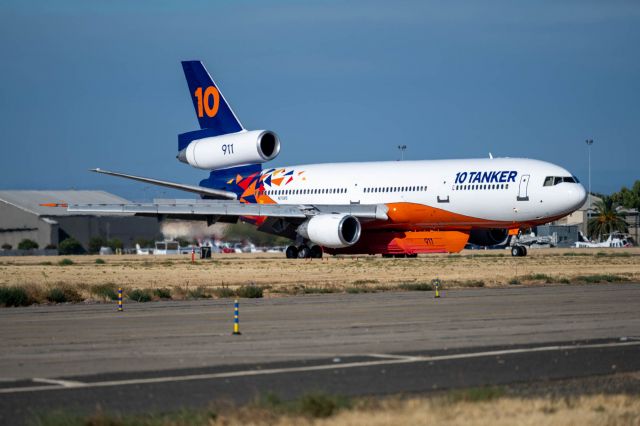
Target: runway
<point x="171" y="354"/>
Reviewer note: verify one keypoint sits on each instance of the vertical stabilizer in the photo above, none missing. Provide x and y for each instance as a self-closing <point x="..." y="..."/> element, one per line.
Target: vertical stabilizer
<point x="212" y="110"/>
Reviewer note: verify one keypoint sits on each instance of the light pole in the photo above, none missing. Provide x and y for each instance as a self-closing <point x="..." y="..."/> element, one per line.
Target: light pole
<point x="589" y="142"/>
<point x="402" y="148"/>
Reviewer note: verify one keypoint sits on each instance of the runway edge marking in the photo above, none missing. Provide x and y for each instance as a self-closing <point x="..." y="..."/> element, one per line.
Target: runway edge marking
<point x="63" y="383"/>
<point x="245" y="373"/>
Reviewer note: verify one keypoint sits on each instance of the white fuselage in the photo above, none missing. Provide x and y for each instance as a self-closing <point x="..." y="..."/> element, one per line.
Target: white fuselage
<point x="498" y="189"/>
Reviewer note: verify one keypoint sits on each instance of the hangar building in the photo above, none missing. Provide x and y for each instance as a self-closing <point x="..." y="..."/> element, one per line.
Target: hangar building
<point x="22" y="215"/>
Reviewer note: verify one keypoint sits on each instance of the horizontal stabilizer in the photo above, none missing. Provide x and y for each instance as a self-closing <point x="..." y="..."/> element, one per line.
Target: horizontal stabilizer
<point x="202" y="191"/>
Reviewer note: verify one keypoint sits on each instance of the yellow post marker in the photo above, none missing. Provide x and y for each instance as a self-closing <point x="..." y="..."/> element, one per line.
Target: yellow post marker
<point x="236" y="318"/>
<point x="436" y="284"/>
<point x="120" y="309"/>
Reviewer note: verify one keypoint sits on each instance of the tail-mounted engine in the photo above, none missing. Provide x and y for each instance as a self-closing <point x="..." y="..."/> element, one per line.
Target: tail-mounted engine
<point x="230" y="150"/>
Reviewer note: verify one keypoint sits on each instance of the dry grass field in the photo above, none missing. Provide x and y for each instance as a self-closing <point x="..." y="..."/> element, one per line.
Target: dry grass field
<point x="588" y="410"/>
<point x="478" y="407"/>
<point x="277" y="275"/>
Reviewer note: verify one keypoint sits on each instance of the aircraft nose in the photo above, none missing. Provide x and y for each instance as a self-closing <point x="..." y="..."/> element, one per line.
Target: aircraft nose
<point x="577" y="196"/>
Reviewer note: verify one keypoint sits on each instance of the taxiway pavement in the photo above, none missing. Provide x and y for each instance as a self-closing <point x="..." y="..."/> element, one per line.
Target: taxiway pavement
<point x="170" y="354"/>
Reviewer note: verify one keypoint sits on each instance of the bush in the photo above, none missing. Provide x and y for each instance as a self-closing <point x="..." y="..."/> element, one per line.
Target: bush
<point x="320" y="405"/>
<point x="140" y="295"/>
<point x="162" y="293"/>
<point x="70" y="246"/>
<point x="14" y="296"/>
<point x="314" y="405"/>
<point x="359" y="289"/>
<point x="115" y="244"/>
<point x="223" y="292"/>
<point x="106" y="291"/>
<point x="514" y="281"/>
<point x="416" y="287"/>
<point x="27" y="244"/>
<point x="62" y="295"/>
<point x="318" y="290"/>
<point x="100" y="262"/>
<point x="598" y="278"/>
<point x="50" y="247"/>
<point x="65" y="262"/>
<point x="95" y="243"/>
<point x="477" y="394"/>
<point x="540" y="277"/>
<point x="474" y="283"/>
<point x="362" y="282"/>
<point x="249" y="292"/>
<point x="198" y="293"/>
<point x="7" y="246"/>
<point x="183" y="242"/>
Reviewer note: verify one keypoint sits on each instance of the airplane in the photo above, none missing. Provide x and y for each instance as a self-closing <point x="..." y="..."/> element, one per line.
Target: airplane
<point x="615" y="240"/>
<point x="391" y="208"/>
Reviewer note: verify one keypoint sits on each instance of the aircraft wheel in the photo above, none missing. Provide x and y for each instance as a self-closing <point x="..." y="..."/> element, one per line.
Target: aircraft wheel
<point x="399" y="256"/>
<point x="515" y="251"/>
<point x="304" y="252"/>
<point x="524" y="251"/>
<point x="316" y="252"/>
<point x="387" y="255"/>
<point x="292" y="252"/>
<point x="412" y="255"/>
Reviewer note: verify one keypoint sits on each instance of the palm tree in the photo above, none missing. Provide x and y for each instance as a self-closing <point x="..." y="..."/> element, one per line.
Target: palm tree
<point x="606" y="219"/>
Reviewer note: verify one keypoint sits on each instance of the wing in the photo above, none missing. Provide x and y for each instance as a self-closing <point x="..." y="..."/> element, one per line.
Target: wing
<point x="280" y="219"/>
<point x="228" y="211"/>
<point x="206" y="192"/>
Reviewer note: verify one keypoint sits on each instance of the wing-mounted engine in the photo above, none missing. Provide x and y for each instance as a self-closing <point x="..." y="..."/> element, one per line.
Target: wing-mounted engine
<point x="230" y="150"/>
<point x="332" y="230"/>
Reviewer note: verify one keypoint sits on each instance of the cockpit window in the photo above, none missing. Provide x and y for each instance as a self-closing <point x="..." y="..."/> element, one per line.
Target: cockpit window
<point x="554" y="180"/>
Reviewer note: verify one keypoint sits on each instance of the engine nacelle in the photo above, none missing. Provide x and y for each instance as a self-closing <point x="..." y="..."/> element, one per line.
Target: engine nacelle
<point x="488" y="237"/>
<point x="230" y="150"/>
<point x="332" y="230"/>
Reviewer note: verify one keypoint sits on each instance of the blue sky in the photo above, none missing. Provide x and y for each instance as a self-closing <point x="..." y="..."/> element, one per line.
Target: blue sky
<point x="99" y="84"/>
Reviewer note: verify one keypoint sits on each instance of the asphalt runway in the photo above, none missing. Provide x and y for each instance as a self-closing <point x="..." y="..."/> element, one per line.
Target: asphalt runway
<point x="167" y="355"/>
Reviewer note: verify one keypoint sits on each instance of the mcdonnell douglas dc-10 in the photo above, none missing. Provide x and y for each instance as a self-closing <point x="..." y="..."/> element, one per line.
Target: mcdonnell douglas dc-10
<point x="389" y="208"/>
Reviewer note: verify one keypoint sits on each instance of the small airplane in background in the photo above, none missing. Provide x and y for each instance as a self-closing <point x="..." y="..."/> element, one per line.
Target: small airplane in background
<point x="615" y="240"/>
<point x="390" y="208"/>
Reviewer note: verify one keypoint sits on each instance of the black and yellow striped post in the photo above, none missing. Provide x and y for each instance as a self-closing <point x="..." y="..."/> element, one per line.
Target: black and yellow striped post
<point x="236" y="318"/>
<point x="120" y="309"/>
<point x="436" y="284"/>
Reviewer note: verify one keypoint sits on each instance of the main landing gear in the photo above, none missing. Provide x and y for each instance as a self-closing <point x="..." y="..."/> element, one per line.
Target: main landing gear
<point x="518" y="251"/>
<point x="303" y="251"/>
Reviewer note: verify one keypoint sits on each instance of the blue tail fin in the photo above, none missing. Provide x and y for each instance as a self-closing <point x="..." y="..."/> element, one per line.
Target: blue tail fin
<point x="212" y="109"/>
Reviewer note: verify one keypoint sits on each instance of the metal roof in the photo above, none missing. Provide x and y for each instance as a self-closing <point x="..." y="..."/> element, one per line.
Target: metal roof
<point x="31" y="200"/>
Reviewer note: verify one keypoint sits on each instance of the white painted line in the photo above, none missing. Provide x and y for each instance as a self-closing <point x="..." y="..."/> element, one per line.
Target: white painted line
<point x="331" y="366"/>
<point x="63" y="383"/>
<point x="391" y="356"/>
